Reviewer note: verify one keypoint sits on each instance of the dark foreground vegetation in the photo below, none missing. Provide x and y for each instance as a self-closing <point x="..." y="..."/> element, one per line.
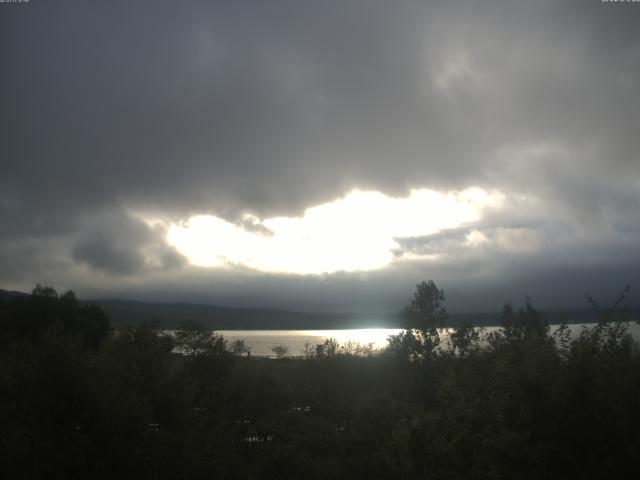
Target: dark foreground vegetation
<point x="78" y="400"/>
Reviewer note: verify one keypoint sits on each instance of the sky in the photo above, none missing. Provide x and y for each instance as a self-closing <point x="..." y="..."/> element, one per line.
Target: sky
<point x="321" y="155"/>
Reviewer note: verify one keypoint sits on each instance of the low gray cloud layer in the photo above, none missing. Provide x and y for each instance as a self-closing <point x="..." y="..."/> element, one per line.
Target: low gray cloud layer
<point x="168" y="109"/>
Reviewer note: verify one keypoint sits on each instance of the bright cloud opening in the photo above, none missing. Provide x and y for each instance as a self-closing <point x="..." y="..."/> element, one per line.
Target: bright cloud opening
<point x="355" y="233"/>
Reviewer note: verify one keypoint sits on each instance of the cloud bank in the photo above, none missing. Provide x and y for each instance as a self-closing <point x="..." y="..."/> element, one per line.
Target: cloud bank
<point x="115" y="114"/>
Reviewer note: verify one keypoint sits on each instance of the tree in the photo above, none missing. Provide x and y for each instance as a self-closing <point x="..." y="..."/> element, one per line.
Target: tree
<point x="425" y="315"/>
<point x="327" y="349"/>
<point x="524" y="323"/>
<point x="464" y="338"/>
<point x="45" y="312"/>
<point x="238" y="347"/>
<point x="280" y="350"/>
<point x="195" y="339"/>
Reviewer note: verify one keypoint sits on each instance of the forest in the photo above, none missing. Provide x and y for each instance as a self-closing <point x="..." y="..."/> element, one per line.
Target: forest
<point x="80" y="400"/>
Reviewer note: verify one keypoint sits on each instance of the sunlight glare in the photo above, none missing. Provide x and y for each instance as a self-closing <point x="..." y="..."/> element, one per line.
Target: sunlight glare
<point x="355" y="233"/>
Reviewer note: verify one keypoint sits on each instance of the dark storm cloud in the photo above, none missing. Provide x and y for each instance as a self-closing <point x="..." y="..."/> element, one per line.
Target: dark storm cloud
<point x="113" y="245"/>
<point x="119" y="244"/>
<point x="176" y="108"/>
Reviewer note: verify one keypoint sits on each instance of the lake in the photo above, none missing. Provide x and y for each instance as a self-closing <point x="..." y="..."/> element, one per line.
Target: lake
<point x="262" y="341"/>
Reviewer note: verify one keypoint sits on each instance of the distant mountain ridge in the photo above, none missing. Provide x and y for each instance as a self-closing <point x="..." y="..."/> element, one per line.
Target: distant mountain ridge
<point x="170" y="315"/>
<point x="7" y="294"/>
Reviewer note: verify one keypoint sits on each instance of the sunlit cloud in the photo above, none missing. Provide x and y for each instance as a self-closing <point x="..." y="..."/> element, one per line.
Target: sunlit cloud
<point x="358" y="232"/>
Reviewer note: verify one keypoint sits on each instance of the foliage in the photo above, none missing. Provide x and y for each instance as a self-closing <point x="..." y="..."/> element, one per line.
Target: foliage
<point x="280" y="350"/>
<point x="331" y="348"/>
<point x="44" y="312"/>
<point x="238" y="347"/>
<point x="327" y="349"/>
<point x="526" y="322"/>
<point x="193" y="338"/>
<point x="520" y="403"/>
<point x="464" y="338"/>
<point x="423" y="317"/>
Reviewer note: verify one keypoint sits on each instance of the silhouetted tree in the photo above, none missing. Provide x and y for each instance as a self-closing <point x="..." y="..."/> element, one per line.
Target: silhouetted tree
<point x="524" y="323"/>
<point x="463" y="338"/>
<point x="238" y="347"/>
<point x="327" y="349"/>
<point x="135" y="407"/>
<point x="280" y="350"/>
<point x="424" y="316"/>
<point x="195" y="339"/>
<point x="44" y="311"/>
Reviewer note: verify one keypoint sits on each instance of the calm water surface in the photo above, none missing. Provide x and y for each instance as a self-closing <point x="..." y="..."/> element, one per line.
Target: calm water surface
<point x="262" y="341"/>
